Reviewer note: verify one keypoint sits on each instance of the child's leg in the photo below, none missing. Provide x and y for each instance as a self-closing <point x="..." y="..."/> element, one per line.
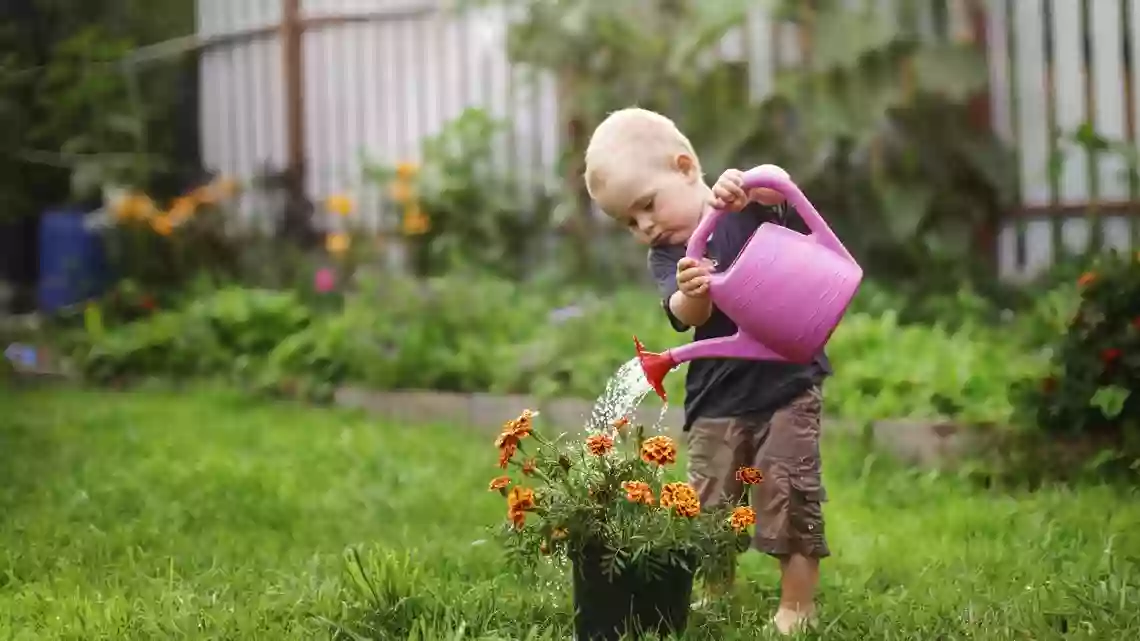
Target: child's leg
<point x="717" y="448"/>
<point x="789" y="505"/>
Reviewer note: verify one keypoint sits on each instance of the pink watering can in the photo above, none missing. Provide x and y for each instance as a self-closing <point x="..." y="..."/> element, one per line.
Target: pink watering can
<point x="786" y="292"/>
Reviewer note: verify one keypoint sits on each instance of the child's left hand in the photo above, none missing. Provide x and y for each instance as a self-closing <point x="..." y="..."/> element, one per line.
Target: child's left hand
<point x="728" y="193"/>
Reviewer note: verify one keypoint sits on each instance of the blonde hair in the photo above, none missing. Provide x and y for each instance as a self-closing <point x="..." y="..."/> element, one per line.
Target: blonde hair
<point x="633" y="137"/>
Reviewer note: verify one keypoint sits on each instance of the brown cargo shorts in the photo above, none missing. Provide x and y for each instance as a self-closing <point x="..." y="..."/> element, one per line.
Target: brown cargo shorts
<point x="784" y="446"/>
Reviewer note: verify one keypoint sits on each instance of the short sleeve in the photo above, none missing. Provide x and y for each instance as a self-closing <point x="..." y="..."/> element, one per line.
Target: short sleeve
<point x="663" y="266"/>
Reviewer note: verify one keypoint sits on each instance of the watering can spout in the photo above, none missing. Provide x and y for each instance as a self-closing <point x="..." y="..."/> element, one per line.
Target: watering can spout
<point x="739" y="345"/>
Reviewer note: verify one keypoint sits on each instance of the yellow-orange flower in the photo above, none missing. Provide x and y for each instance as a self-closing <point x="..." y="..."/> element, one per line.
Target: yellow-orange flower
<point x="520" y="500"/>
<point x="406" y="170"/>
<point x="416" y="222"/>
<point x="599" y="444"/>
<point x="529" y="466"/>
<point x="133" y="207"/>
<point x="499" y="483"/>
<point x="660" y="450"/>
<point x="741" y="518"/>
<point x="162" y="225"/>
<point x="337" y="244"/>
<point x="339" y="204"/>
<point x="1086" y="279"/>
<point x="749" y="475"/>
<point x="182" y="209"/>
<point x="402" y="192"/>
<point x="638" y="492"/>
<point x="522" y="426"/>
<point x="682" y="498"/>
<point x="508" y="444"/>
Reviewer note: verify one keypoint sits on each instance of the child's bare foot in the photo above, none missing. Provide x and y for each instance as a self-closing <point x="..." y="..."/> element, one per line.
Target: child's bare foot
<point x="789" y="621"/>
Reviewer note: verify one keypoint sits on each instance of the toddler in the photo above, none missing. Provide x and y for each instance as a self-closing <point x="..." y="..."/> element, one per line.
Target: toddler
<point x="643" y="172"/>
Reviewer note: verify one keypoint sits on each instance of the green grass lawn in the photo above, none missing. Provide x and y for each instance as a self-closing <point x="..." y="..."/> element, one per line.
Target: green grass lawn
<point x="205" y="515"/>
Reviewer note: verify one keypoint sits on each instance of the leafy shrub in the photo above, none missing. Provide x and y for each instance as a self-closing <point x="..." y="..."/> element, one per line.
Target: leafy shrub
<point x="218" y="334"/>
<point x="467" y="334"/>
<point x="460" y="209"/>
<point x="1095" y="373"/>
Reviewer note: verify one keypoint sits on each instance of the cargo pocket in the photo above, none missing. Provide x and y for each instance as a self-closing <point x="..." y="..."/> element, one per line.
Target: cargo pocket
<point x="806" y="500"/>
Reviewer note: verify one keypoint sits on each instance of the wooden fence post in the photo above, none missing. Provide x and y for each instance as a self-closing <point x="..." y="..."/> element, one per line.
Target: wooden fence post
<point x="296" y="224"/>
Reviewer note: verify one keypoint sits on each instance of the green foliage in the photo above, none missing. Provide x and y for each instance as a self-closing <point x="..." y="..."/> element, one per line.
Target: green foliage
<point x="472" y="334"/>
<point x="877" y="128"/>
<point x="223" y="334"/>
<point x="477" y="214"/>
<point x="1093" y="384"/>
<point x="92" y="114"/>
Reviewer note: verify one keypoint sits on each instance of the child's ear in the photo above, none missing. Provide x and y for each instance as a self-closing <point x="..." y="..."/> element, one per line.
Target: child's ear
<point x="685" y="164"/>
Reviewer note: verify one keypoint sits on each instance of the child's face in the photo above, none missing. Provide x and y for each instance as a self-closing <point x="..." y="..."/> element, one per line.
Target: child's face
<point x="658" y="206"/>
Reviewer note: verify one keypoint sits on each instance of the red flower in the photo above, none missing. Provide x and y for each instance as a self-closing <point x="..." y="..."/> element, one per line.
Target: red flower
<point x="1110" y="355"/>
<point x="147" y="302"/>
<point x="1049" y="385"/>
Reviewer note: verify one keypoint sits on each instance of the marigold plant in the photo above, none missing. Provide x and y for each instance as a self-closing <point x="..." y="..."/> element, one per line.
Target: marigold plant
<point x="612" y="488"/>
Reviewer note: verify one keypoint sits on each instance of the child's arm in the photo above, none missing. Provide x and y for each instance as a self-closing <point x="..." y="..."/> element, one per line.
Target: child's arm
<point x="683" y="310"/>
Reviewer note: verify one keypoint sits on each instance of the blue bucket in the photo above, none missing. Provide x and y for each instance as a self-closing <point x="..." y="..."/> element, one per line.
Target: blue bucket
<point x="73" y="262"/>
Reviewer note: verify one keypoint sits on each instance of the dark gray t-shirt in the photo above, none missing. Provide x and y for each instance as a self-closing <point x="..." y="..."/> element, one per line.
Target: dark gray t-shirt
<point x="727" y="387"/>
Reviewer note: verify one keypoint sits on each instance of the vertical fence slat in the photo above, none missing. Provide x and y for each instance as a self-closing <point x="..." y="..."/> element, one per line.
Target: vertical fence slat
<point x="1108" y="95"/>
<point x="1032" y="114"/>
<point x="1069" y="105"/>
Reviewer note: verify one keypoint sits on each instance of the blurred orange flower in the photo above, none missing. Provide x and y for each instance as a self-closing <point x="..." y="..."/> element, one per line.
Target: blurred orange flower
<point x="599" y="444"/>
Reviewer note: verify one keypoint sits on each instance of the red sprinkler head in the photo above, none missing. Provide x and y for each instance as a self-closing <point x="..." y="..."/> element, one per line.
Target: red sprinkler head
<point x="655" y="366"/>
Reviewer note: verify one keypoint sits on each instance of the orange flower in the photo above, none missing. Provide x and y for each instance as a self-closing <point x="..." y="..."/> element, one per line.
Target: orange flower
<point x="749" y="475"/>
<point x="621" y="423"/>
<point x="741" y="518"/>
<point x="406" y="170"/>
<point x="339" y="204"/>
<point x="599" y="444"/>
<point x="416" y="222"/>
<point x="638" y="492"/>
<point x="499" y="483"/>
<point x="182" y="209"/>
<point x="559" y="533"/>
<point x="508" y="444"/>
<point x="133" y="207"/>
<point x="402" y="192"/>
<point x="520" y="500"/>
<point x="337" y="244"/>
<point x="1086" y="279"/>
<point x="529" y="466"/>
<point x="659" y="449"/>
<point x="522" y="426"/>
<point x="682" y="498"/>
<point x="162" y="225"/>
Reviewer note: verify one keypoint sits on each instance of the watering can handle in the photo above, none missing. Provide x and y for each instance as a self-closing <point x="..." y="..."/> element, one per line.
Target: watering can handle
<point x="771" y="177"/>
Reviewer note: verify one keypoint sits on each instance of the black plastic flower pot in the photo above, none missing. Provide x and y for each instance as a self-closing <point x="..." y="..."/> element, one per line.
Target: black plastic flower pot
<point x="633" y="603"/>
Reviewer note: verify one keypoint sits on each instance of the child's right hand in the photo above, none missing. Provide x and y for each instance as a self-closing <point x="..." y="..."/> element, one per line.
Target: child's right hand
<point x="693" y="277"/>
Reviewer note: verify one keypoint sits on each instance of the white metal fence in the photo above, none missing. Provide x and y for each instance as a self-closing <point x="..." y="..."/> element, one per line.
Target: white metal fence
<point x="394" y="71"/>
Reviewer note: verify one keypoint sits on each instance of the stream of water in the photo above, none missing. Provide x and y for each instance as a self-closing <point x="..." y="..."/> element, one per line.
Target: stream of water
<point x="623" y="394"/>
